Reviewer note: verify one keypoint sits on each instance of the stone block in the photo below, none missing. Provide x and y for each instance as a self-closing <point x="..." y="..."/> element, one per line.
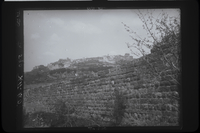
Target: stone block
<point x="174" y="88"/>
<point x="168" y="107"/>
<point x="166" y="101"/>
<point x="175" y="94"/>
<point x="166" y="78"/>
<point x="175" y="108"/>
<point x="153" y="101"/>
<point x="142" y="96"/>
<point x="135" y="101"/>
<point x="153" y="96"/>
<point x="173" y="120"/>
<point x="158" y="94"/>
<point x="164" y="94"/>
<point x="157" y="107"/>
<point x="163" y="89"/>
<point x="149" y="90"/>
<point x="165" y="83"/>
<point x="137" y="95"/>
<point x="163" y="107"/>
<point x="136" y="86"/>
<point x="144" y="100"/>
<point x="148" y="85"/>
<point x="157" y="84"/>
<point x="143" y="106"/>
<point x="142" y="90"/>
<point x="151" y="107"/>
<point x="148" y="95"/>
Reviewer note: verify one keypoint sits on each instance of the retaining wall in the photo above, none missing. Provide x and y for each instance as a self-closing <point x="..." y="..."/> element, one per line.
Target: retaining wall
<point x="146" y="100"/>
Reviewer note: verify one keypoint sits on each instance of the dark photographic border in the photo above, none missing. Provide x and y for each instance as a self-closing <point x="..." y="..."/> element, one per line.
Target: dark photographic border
<point x="12" y="49"/>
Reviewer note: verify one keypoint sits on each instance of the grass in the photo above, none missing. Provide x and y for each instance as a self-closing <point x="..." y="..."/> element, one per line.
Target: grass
<point x="65" y="115"/>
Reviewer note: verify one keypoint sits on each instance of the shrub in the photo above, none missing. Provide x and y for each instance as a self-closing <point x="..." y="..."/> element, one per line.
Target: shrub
<point x="38" y="119"/>
<point x="119" y="108"/>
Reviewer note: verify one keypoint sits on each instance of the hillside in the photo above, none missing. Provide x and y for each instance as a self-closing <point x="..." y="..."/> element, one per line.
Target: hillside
<point x="66" y="69"/>
<point x="107" y="60"/>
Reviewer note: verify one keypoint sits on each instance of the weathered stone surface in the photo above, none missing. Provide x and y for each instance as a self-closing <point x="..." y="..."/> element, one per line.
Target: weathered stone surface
<point x="146" y="100"/>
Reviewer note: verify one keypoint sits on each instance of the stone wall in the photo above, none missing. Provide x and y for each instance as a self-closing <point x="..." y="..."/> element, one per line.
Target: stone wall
<point x="148" y="102"/>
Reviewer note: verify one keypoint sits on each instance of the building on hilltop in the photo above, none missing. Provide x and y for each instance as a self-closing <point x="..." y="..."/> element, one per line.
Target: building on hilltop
<point x="61" y="63"/>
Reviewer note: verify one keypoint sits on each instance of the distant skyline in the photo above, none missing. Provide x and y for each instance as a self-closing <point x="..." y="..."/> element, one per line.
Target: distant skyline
<point x="50" y="35"/>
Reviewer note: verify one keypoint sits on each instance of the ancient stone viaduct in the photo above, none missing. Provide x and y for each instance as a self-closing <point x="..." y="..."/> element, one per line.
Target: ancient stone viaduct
<point x="145" y="100"/>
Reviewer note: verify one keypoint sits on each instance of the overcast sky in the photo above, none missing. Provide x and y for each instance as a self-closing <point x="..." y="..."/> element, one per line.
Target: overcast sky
<point x="50" y="35"/>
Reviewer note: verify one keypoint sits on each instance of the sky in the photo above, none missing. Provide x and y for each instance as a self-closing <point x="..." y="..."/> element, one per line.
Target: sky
<point x="50" y="35"/>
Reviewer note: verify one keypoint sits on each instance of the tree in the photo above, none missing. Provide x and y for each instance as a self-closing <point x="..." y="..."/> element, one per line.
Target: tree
<point x="163" y="40"/>
<point x="163" y="36"/>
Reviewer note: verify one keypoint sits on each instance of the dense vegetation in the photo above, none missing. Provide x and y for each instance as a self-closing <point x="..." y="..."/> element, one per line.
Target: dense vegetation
<point x="64" y="113"/>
